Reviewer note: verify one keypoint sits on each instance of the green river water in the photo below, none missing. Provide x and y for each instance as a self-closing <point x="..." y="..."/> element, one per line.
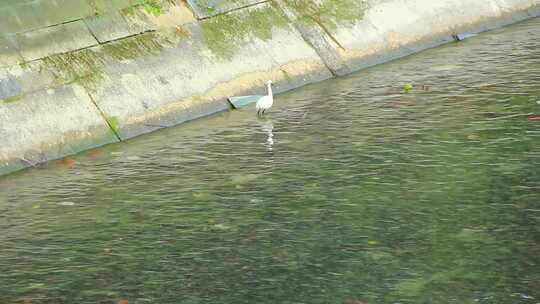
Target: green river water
<point x="349" y="191"/>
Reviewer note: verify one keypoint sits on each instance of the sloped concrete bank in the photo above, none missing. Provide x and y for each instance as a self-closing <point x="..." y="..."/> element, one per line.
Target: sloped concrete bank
<point x="81" y="81"/>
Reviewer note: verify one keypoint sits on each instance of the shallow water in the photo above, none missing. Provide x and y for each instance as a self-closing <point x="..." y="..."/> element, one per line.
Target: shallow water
<point x="349" y="191"/>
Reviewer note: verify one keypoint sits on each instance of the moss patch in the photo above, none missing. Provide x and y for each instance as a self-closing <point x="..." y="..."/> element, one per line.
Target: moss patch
<point x="225" y="34"/>
<point x="131" y="48"/>
<point x="11" y="99"/>
<point x="329" y="13"/>
<point x="152" y="7"/>
<point x="84" y="67"/>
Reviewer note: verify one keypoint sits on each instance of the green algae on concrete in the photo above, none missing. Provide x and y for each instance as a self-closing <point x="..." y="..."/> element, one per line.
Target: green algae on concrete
<point x="101" y="7"/>
<point x="329" y="13"/>
<point x="11" y="99"/>
<point x="134" y="47"/>
<point x="112" y="121"/>
<point x="83" y="67"/>
<point x="225" y="34"/>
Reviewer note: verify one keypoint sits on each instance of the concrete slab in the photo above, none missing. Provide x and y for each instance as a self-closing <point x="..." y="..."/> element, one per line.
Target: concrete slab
<point x="139" y="21"/>
<point x="56" y="12"/>
<point x="9" y="55"/>
<point x="385" y="30"/>
<point x="102" y="7"/>
<point x="8" y="24"/>
<point x="18" y="80"/>
<point x="53" y="40"/>
<point x="9" y="88"/>
<point x="208" y="8"/>
<point x="317" y="38"/>
<point x="108" y="27"/>
<point x="193" y="77"/>
<point x="116" y="24"/>
<point x="24" y="16"/>
<point x="32" y="130"/>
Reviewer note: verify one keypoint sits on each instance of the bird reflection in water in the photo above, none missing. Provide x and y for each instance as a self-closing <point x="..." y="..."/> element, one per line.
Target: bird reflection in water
<point x="268" y="128"/>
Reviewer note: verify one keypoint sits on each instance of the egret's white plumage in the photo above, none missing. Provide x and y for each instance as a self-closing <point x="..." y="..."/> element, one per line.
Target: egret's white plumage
<point x="265" y="102"/>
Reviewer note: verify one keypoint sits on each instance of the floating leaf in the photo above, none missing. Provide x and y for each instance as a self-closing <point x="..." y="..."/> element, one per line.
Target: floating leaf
<point x="407" y="88"/>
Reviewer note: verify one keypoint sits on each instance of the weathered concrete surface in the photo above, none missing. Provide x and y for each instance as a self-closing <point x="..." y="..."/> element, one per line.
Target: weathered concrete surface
<point x="16" y="81"/>
<point x="20" y="16"/>
<point x="49" y="124"/>
<point x="9" y="55"/>
<point x="111" y="26"/>
<point x="192" y="78"/>
<point x="55" y="39"/>
<point x="317" y="38"/>
<point x="393" y="29"/>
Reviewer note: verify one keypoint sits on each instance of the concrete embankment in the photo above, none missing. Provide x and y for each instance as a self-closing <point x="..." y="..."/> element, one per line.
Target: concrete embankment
<point x="80" y="74"/>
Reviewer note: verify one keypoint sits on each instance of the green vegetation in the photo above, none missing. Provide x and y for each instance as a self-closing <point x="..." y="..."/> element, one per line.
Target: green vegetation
<point x="328" y="13"/>
<point x="206" y="6"/>
<point x="83" y="67"/>
<point x="11" y="99"/>
<point x="407" y="88"/>
<point x="134" y="47"/>
<point x="225" y="34"/>
<point x="152" y="7"/>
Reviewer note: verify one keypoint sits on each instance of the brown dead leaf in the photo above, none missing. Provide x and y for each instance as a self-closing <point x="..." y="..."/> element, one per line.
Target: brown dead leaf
<point x="182" y="32"/>
<point x="69" y="162"/>
<point x="96" y="153"/>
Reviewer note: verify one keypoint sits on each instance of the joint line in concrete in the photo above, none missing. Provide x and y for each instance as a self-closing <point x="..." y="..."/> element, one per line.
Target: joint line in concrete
<point x="104" y="117"/>
<point x="235" y="9"/>
<point x="48" y="26"/>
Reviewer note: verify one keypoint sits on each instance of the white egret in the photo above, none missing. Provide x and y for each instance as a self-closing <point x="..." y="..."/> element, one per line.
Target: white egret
<point x="264" y="103"/>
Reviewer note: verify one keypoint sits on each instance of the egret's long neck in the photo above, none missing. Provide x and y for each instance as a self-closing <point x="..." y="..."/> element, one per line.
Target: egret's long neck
<point x="269" y="90"/>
